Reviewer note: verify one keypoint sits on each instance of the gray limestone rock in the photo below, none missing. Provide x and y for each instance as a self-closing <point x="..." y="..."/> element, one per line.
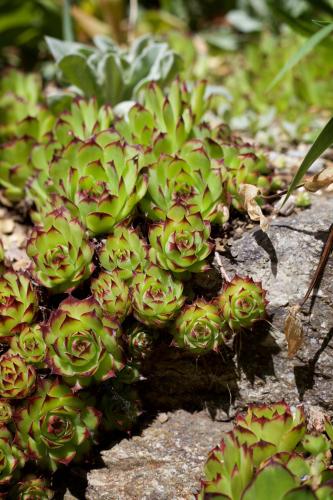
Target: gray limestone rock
<point x="166" y="461"/>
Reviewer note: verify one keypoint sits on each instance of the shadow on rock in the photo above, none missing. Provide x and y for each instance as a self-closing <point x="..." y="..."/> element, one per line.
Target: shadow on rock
<point x="264" y="241"/>
<point x="304" y="374"/>
<point x="255" y="352"/>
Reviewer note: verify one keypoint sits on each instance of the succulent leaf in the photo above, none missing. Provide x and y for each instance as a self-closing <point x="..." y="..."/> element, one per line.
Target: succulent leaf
<point x="15" y="167"/>
<point x="274" y="477"/>
<point x="84" y="119"/>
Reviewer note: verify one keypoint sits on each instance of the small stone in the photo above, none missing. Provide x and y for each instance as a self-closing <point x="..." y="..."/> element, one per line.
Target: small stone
<point x="287" y="208"/>
<point x="163" y="417"/>
<point x="7" y="226"/>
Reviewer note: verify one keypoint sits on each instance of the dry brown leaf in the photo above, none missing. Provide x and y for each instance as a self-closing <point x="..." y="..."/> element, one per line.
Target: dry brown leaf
<point x="293" y="331"/>
<point x="249" y="193"/>
<point x="321" y="180"/>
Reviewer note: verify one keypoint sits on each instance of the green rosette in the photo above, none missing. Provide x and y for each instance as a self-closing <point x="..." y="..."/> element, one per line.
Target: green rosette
<point x="112" y="293"/>
<point x="6" y="412"/>
<point x="60" y="251"/>
<point x="242" y="303"/>
<point x="18" y="302"/>
<point x="103" y="177"/>
<point x="181" y="241"/>
<point x="17" y="379"/>
<point x="156" y="296"/>
<point x="199" y="328"/>
<point x="31" y="487"/>
<point x="54" y="425"/>
<point x="82" y="343"/>
<point x="11" y="457"/>
<point x="30" y="345"/>
<point x="141" y="340"/>
<point x="124" y="251"/>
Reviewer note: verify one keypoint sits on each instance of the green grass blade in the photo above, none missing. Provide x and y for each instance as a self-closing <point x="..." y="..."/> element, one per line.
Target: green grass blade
<point x="309" y="45"/>
<point x="323" y="141"/>
<point x="67" y="24"/>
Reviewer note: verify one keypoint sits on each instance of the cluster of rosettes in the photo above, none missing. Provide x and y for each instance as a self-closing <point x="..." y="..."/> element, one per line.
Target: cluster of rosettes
<point x="270" y="454"/>
<point x="84" y="342"/>
<point x="122" y="209"/>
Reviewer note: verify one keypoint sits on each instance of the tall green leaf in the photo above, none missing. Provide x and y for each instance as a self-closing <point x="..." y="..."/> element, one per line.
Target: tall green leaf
<point x="67" y="24"/>
<point x="323" y="141"/>
<point x="309" y="45"/>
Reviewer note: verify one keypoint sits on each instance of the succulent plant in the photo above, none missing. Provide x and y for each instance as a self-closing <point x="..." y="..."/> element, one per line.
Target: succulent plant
<point x="166" y="121"/>
<point x="276" y="425"/>
<point x="242" y="303"/>
<point x="15" y="165"/>
<point x="112" y="293"/>
<point x="103" y="177"/>
<point x="199" y="327"/>
<point x="20" y="94"/>
<point x="6" y="412"/>
<point x="18" y="302"/>
<point x="191" y="178"/>
<point x="241" y="165"/>
<point x="54" y="425"/>
<point x="140" y="340"/>
<point x="82" y="343"/>
<point x="29" y="344"/>
<point x="17" y="379"/>
<point x="84" y="119"/>
<point x="15" y="168"/>
<point x="181" y="241"/>
<point x="31" y="487"/>
<point x="156" y="297"/>
<point x="11" y="458"/>
<point x="61" y="253"/>
<point x="259" y="457"/>
<point x="124" y="251"/>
